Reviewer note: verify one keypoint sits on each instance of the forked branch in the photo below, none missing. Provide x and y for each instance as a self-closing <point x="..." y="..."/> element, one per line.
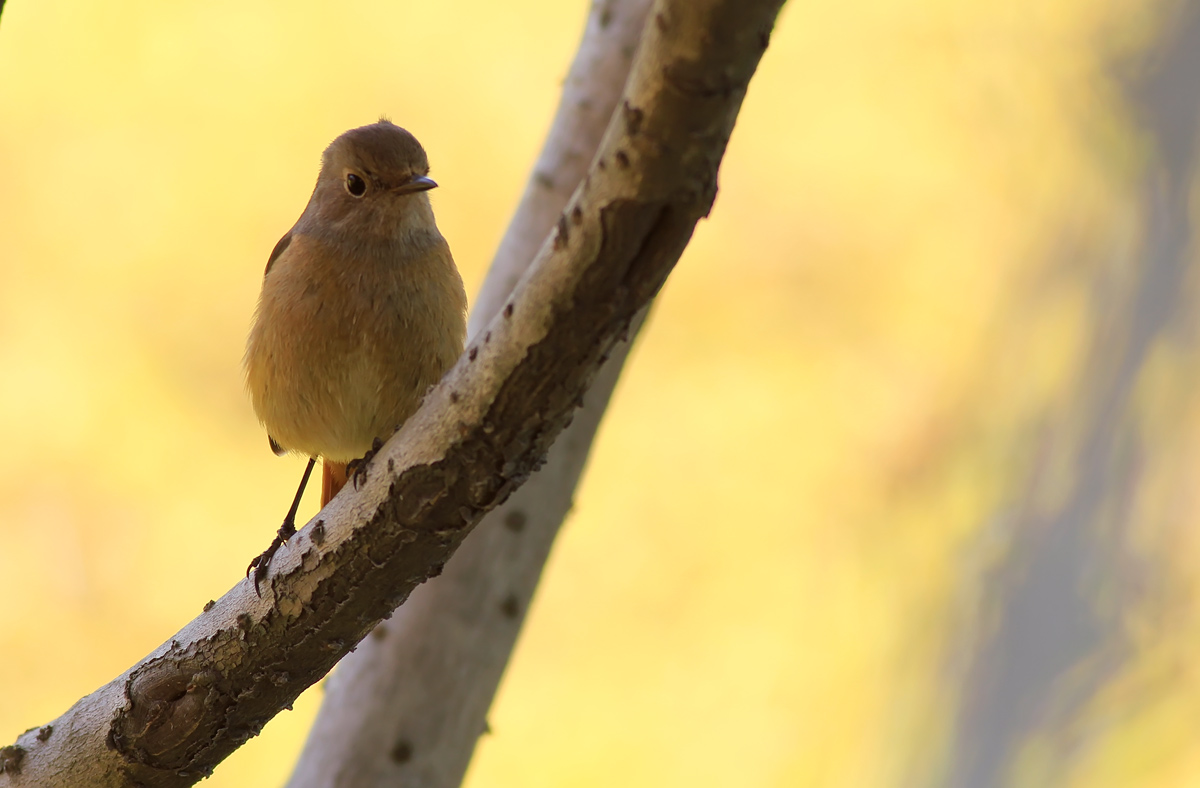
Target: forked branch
<point x="172" y="718"/>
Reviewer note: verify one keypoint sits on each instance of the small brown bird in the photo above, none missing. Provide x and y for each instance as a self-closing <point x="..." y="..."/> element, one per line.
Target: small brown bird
<point x="361" y="311"/>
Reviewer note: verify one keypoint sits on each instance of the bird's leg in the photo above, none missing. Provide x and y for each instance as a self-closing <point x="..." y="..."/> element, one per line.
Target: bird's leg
<point x="286" y="531"/>
<point x="357" y="469"/>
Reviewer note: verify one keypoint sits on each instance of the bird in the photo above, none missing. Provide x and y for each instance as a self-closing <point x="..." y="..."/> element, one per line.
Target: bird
<point x="362" y="310"/>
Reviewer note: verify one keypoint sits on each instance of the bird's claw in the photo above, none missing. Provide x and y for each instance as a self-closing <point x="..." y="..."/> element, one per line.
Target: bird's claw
<point x="356" y="470"/>
<point x="260" y="564"/>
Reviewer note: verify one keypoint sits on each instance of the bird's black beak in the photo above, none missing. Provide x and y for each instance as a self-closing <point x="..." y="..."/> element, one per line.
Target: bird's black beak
<point x="417" y="183"/>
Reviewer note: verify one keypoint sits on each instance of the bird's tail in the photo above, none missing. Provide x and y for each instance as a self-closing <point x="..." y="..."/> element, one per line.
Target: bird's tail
<point x="333" y="479"/>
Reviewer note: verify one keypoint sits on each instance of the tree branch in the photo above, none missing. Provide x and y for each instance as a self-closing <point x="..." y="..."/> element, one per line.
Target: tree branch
<point x="480" y="433"/>
<point x="590" y="94"/>
<point x="408" y="706"/>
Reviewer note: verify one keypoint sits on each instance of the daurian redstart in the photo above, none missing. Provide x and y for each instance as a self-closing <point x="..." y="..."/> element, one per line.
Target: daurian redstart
<point x="361" y="311"/>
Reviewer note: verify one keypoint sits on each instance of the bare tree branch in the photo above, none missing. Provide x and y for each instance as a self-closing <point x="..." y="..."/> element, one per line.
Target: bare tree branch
<point x="408" y="706"/>
<point x="480" y="433"/>
<point x="590" y="93"/>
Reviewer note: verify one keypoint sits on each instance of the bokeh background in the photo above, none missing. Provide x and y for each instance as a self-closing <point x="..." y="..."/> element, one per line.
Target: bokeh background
<point x="900" y="487"/>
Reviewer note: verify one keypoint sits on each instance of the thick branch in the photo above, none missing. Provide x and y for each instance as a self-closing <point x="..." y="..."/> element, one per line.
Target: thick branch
<point x="590" y="94"/>
<point x="480" y="433"/>
<point x="408" y="706"/>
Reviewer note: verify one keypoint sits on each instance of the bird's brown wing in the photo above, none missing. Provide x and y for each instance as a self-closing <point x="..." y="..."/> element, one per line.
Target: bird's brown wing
<point x="282" y="244"/>
<point x="278" y="250"/>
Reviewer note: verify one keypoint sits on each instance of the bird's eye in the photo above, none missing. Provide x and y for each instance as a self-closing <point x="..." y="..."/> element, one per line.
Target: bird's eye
<point x="356" y="185"/>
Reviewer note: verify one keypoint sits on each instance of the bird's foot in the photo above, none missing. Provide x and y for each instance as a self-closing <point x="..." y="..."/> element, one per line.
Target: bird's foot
<point x="259" y="565"/>
<point x="356" y="470"/>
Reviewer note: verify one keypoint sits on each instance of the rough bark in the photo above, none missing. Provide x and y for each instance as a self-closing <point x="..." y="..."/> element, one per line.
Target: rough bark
<point x="481" y="432"/>
<point x="409" y="705"/>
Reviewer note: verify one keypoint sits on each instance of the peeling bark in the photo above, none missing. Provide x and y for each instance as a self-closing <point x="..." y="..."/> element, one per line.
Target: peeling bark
<point x="481" y="432"/>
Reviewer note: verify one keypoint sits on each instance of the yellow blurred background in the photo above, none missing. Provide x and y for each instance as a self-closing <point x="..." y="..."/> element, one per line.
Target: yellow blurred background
<point x="806" y="551"/>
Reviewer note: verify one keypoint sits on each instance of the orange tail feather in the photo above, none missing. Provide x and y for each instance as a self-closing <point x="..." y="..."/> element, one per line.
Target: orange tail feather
<point x="333" y="479"/>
